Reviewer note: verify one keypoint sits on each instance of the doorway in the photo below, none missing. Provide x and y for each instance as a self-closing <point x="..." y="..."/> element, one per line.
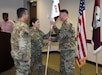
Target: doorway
<point x="33" y="10"/>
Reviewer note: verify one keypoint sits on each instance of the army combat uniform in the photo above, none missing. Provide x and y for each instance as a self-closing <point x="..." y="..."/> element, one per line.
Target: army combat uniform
<point x="66" y="38"/>
<point x="21" y="48"/>
<point x="37" y="37"/>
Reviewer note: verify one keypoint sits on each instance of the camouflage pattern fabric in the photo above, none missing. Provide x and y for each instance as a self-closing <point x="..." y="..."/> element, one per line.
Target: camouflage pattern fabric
<point x="37" y="37"/>
<point x="67" y="45"/>
<point x="21" y="48"/>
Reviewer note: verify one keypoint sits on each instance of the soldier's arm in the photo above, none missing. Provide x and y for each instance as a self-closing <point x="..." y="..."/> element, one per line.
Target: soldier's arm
<point x="56" y="29"/>
<point x="66" y="32"/>
<point x="26" y="44"/>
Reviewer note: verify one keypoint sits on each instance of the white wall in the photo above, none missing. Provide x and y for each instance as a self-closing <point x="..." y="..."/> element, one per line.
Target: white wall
<point x="43" y="13"/>
<point x="10" y="6"/>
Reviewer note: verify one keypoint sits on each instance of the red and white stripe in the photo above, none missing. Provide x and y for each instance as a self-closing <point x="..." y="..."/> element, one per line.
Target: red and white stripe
<point x="81" y="35"/>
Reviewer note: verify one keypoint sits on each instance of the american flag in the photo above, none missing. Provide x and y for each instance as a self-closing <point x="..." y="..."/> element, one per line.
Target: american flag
<point x="96" y="41"/>
<point x="81" y="35"/>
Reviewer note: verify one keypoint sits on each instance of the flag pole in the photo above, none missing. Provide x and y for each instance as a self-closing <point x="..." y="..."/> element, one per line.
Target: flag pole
<point x="47" y="58"/>
<point x="49" y="47"/>
<point x="80" y="70"/>
<point x="96" y="64"/>
<point x="54" y="13"/>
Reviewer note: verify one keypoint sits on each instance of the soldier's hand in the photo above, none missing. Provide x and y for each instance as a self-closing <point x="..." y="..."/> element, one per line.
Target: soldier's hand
<point x="50" y="38"/>
<point x="49" y="41"/>
<point x="52" y="23"/>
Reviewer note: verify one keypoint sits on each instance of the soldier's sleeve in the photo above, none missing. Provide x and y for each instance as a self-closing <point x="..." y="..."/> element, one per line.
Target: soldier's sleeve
<point x="24" y="43"/>
<point x="41" y="33"/>
<point x="56" y="29"/>
<point x="44" y="36"/>
<point x="66" y="32"/>
<point x="16" y="52"/>
<point x="70" y="31"/>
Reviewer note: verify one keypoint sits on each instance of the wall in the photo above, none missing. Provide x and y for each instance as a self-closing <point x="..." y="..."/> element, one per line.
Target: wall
<point x="10" y="6"/>
<point x="43" y="13"/>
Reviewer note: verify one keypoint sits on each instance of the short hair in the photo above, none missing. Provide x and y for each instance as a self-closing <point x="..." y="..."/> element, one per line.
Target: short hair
<point x="65" y="11"/>
<point x="33" y="20"/>
<point x="3" y="14"/>
<point x="20" y="12"/>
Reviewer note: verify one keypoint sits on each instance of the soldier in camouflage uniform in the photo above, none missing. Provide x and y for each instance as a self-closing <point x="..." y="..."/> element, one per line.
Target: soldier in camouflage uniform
<point x="66" y="38"/>
<point x="37" y="37"/>
<point x="21" y="44"/>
